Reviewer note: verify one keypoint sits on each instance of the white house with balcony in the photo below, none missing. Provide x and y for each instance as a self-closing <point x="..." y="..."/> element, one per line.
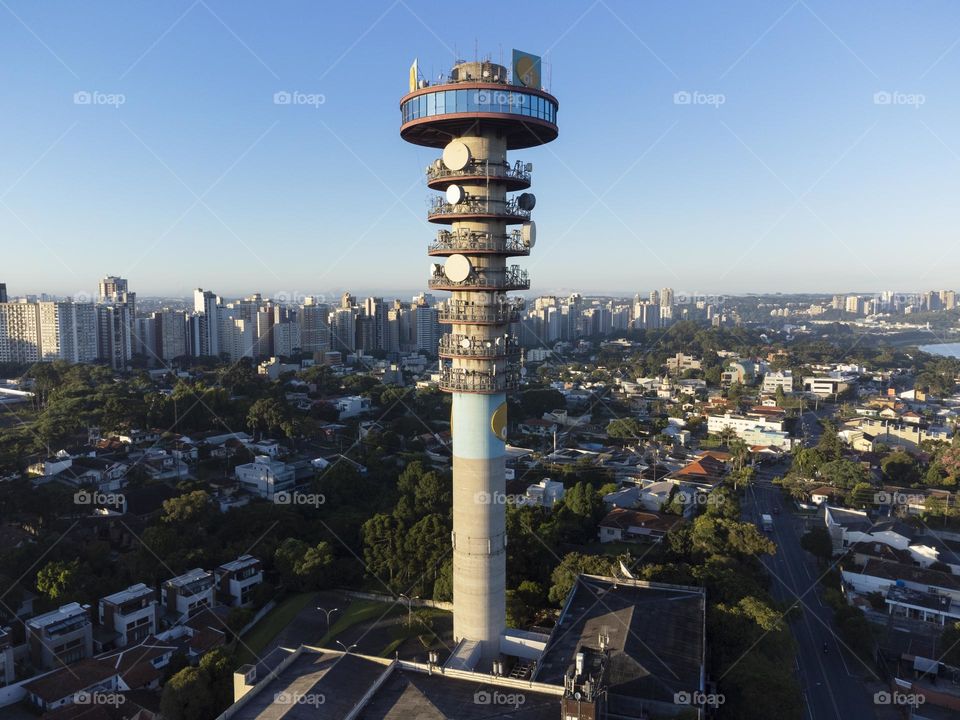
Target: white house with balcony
<point x="237" y="579"/>
<point x="186" y="595"/>
<point x="265" y="477"/>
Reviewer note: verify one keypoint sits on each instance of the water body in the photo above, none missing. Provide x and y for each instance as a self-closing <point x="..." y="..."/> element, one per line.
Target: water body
<point x="946" y="349"/>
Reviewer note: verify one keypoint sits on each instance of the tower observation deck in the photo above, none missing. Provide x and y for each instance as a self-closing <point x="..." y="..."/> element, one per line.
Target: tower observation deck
<point x="475" y="116"/>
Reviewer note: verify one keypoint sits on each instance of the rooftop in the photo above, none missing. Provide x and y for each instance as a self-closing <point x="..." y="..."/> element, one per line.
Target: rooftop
<point x="654" y="631"/>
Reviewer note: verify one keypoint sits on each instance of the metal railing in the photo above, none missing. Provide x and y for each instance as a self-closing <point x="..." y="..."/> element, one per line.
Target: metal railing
<point x="465" y="346"/>
<point x="460" y="380"/>
<point x="467" y="313"/>
<point x="478" y="206"/>
<point x="482" y="168"/>
<point x="512" y="278"/>
<point x="478" y="241"/>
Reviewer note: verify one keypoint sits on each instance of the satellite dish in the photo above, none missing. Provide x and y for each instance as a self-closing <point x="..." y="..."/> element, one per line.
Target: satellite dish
<point x="528" y="167"/>
<point x="456" y="155"/>
<point x="457" y="268"/>
<point x="438" y="165"/>
<point x="455" y="194"/>
<point x="526" y="201"/>
<point x="528" y="233"/>
<point x="465" y="343"/>
<point x="577" y="695"/>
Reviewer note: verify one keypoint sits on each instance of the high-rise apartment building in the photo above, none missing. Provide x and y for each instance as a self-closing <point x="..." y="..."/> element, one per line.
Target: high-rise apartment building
<point x="3" y="292"/>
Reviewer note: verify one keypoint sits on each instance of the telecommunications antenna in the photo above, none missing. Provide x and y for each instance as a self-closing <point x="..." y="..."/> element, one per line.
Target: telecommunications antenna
<point x="528" y="233"/>
<point x="526" y="201"/>
<point x="455" y="195"/>
<point x="456" y="155"/>
<point x="457" y="268"/>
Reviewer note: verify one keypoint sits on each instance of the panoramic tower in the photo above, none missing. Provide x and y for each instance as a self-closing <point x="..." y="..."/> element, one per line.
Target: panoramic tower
<point x="475" y="115"/>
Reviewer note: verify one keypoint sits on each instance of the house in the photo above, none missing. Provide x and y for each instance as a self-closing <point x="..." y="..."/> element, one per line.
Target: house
<point x="825" y="386"/>
<point x="265" y="477"/>
<point x="824" y="493"/>
<point x="351" y="406"/>
<point x="104" y="679"/>
<point x="628" y="497"/>
<point x="622" y="525"/>
<point x="139" y="437"/>
<point x="7" y="668"/>
<point x="740" y="371"/>
<point x="538" y="427"/>
<point x="60" y="637"/>
<point x="705" y="470"/>
<point x="270" y="448"/>
<point x="188" y="594"/>
<point x="909" y="592"/>
<point x="654" y="495"/>
<point x="850" y="527"/>
<point x="545" y="493"/>
<point x="132" y="614"/>
<point x="237" y="579"/>
<point x="779" y="380"/>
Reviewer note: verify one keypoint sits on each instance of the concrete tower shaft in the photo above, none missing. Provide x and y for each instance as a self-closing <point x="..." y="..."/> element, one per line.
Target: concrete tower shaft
<point x="476" y="117"/>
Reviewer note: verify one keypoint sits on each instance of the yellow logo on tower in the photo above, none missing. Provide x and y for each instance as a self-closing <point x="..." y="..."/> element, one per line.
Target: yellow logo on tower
<point x="526" y="70"/>
<point x="498" y="422"/>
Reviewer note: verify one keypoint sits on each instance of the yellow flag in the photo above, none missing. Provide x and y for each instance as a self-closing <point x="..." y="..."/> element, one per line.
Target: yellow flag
<point x="413" y="75"/>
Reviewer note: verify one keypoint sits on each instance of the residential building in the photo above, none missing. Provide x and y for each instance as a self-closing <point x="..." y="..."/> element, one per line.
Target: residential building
<point x="626" y="525"/>
<point x="265" y="477"/>
<point x="780" y="379"/>
<point x="186" y="595"/>
<point x="133" y="614"/>
<point x="825" y="386"/>
<point x="680" y="363"/>
<point x="60" y="637"/>
<point x="545" y="493"/>
<point x="237" y="579"/>
<point x="7" y="668"/>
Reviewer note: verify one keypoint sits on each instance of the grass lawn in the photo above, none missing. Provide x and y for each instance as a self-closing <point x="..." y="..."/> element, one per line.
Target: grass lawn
<point x="267" y="629"/>
<point x="357" y="612"/>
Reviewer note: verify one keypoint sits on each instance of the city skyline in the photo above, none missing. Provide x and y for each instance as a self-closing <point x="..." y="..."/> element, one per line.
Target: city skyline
<point x="769" y="136"/>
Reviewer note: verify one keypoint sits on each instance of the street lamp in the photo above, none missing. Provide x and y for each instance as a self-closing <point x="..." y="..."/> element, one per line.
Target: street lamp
<point x="346" y="649"/>
<point x="328" y="613"/>
<point x="409" y="608"/>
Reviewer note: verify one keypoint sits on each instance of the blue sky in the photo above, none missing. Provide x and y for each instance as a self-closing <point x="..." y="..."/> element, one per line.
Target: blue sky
<point x="802" y="178"/>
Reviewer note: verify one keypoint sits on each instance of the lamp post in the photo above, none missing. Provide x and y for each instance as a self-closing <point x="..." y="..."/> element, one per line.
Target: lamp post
<point x="328" y="613"/>
<point x="346" y="650"/>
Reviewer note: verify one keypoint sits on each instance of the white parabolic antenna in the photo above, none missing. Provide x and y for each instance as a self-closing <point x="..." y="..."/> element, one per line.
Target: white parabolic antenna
<point x="465" y="343"/>
<point x="455" y="194"/>
<point x="457" y="268"/>
<point x="528" y="233"/>
<point x="456" y="155"/>
<point x="526" y="201"/>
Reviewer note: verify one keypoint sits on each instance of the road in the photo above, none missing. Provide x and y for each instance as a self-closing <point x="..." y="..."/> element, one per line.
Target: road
<point x="831" y="682"/>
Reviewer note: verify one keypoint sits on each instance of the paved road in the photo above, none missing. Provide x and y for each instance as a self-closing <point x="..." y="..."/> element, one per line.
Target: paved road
<point x="831" y="682"/>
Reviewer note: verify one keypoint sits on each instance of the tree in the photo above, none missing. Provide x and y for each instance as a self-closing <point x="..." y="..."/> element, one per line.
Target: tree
<point x="58" y="579"/>
<point x="188" y="696"/>
<point x="268" y="416"/>
<point x="843" y="473"/>
<point x="572" y="565"/>
<point x="900" y="468"/>
<point x="187" y="508"/>
<point x="829" y="446"/>
<point x="817" y="541"/>
<point x="625" y="429"/>
<point x="303" y="566"/>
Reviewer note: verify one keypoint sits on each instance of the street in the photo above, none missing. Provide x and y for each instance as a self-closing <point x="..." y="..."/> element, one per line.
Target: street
<point x="831" y="682"/>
